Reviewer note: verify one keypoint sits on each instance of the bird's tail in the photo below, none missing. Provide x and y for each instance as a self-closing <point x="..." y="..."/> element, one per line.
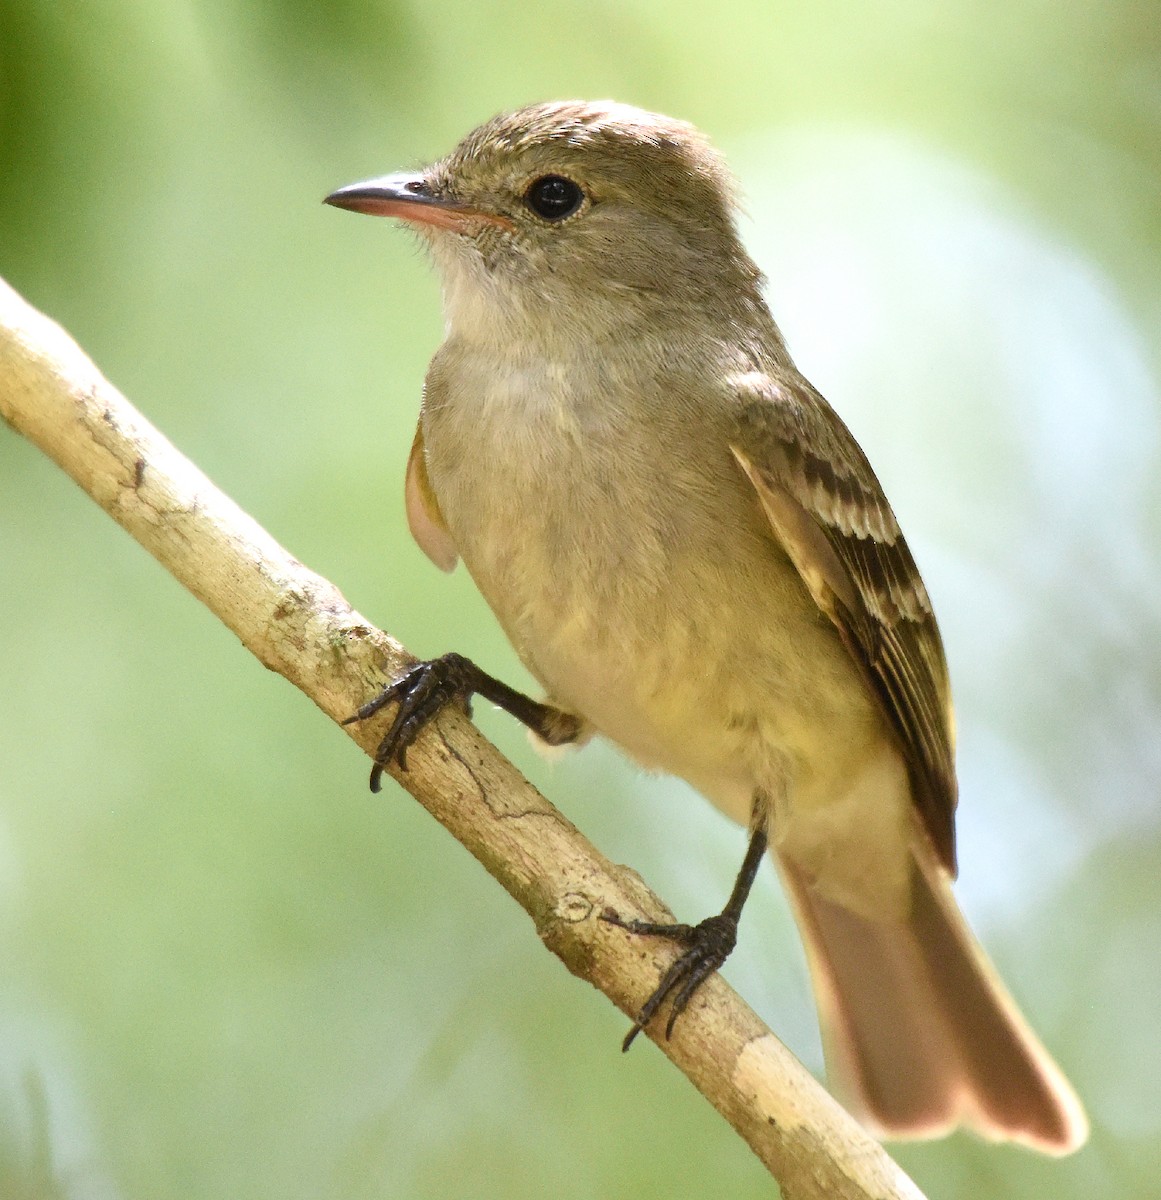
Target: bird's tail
<point x="919" y="1032"/>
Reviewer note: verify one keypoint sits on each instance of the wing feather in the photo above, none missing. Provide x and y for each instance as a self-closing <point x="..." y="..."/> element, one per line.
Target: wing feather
<point x="424" y="518"/>
<point x="828" y="510"/>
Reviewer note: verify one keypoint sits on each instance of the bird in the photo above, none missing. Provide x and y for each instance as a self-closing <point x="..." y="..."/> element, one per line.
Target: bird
<point x="694" y="558"/>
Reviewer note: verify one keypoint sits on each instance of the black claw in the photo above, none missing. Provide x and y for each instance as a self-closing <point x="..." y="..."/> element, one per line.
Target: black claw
<point x="695" y="974"/>
<point x="708" y="946"/>
<point x="421" y="693"/>
<point x="427" y="687"/>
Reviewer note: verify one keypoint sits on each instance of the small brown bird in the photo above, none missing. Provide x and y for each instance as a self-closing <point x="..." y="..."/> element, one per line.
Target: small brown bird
<point x="694" y="558"/>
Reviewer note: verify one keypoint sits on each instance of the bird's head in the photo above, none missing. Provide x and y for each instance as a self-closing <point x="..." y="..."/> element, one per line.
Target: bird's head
<point x="595" y="212"/>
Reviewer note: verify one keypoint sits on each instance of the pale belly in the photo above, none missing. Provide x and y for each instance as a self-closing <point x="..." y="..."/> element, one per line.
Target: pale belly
<point x="702" y="661"/>
<point x="751" y="699"/>
<point x="656" y="604"/>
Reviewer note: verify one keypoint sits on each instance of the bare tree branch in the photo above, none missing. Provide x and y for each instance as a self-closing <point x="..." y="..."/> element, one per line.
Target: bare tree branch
<point x="298" y="624"/>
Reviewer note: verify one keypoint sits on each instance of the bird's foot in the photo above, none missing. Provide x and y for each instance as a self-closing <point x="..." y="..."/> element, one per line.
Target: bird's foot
<point x="708" y="945"/>
<point x="421" y="692"/>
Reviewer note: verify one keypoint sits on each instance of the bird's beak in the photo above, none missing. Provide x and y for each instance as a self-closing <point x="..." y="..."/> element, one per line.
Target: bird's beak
<point x="410" y="198"/>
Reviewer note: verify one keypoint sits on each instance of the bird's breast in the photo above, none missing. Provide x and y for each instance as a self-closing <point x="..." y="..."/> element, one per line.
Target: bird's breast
<point x="625" y="555"/>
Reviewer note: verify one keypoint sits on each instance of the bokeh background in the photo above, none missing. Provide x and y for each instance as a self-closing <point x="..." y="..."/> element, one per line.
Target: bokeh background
<point x="228" y="970"/>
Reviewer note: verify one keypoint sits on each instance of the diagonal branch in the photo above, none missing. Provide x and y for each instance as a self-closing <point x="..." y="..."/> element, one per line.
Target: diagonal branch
<point x="298" y="624"/>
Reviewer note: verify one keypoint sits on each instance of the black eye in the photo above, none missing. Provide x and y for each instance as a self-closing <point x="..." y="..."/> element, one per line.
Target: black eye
<point x="553" y="197"/>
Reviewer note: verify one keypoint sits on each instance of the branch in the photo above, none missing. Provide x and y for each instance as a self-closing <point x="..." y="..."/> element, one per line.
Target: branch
<point x="298" y="624"/>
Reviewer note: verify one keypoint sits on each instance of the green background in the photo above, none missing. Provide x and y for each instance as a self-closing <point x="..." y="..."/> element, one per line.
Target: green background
<point x="228" y="970"/>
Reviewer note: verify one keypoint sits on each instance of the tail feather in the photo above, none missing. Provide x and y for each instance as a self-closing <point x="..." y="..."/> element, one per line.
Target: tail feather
<point x="919" y="1032"/>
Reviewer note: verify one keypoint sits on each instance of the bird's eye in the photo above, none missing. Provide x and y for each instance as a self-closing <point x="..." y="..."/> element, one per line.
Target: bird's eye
<point x="553" y="197"/>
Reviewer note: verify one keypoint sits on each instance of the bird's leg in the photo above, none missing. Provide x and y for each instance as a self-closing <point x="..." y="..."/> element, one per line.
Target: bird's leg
<point x="426" y="688"/>
<point x="708" y="944"/>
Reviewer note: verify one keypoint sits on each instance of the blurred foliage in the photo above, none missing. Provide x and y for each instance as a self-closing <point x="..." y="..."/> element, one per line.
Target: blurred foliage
<point x="229" y="970"/>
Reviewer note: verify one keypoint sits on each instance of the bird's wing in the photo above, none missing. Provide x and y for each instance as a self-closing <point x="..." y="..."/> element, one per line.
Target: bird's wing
<point x="829" y="513"/>
<point x="423" y="515"/>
